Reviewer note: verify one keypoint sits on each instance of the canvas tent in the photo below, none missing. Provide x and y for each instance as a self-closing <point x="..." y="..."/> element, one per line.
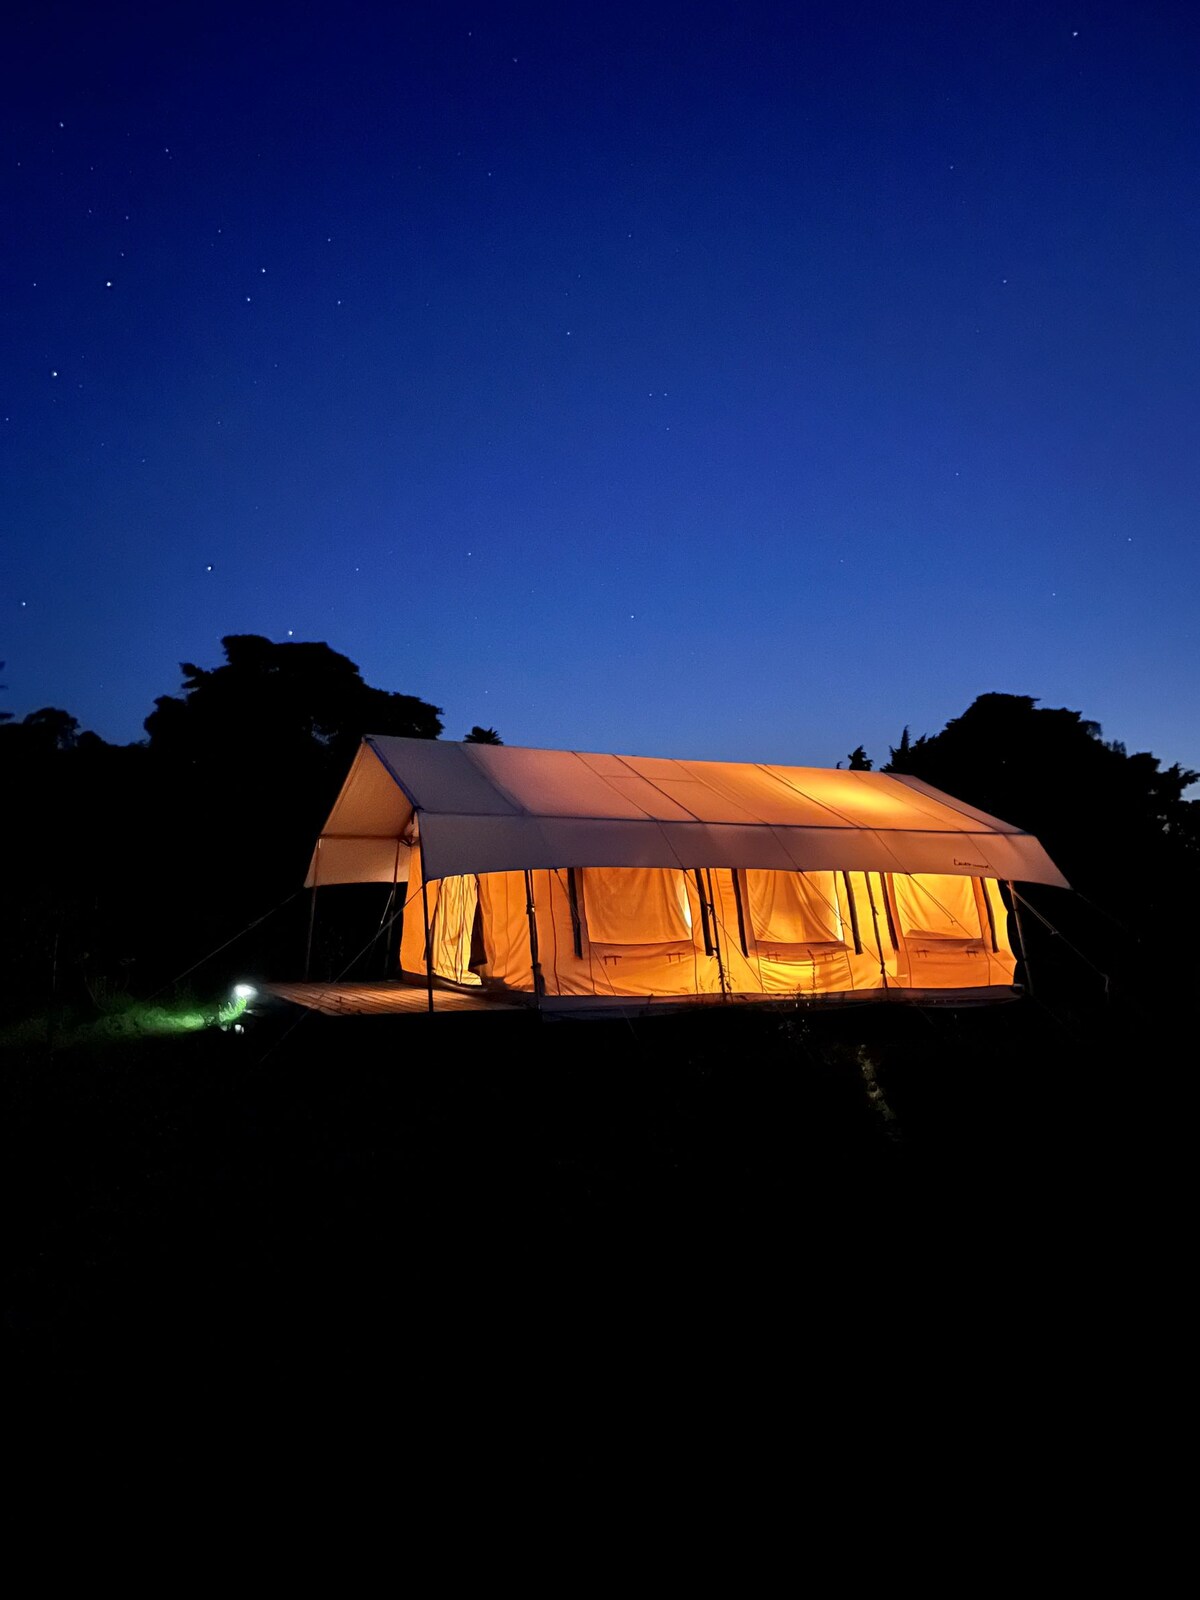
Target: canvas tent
<point x="581" y="880"/>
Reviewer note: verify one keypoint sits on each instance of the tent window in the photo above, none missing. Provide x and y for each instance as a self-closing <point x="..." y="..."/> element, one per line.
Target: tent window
<point x="636" y="905"/>
<point x="794" y="907"/>
<point x="936" y="905"/>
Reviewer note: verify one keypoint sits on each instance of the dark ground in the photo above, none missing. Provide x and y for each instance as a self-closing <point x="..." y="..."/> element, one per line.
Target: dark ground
<point x="346" y="1197"/>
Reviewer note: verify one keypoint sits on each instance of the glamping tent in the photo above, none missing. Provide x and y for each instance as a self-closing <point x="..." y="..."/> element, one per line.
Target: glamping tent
<point x="586" y="881"/>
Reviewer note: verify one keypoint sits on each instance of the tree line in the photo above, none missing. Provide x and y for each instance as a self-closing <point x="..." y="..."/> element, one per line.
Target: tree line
<point x="128" y="861"/>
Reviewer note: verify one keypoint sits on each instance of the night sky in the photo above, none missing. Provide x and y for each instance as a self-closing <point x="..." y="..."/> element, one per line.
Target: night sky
<point x="727" y="381"/>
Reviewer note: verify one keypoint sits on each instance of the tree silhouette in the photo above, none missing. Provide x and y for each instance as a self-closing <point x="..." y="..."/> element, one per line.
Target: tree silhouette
<point x="130" y="862"/>
<point x="859" y="760"/>
<point x="480" y="735"/>
<point x="1118" y="825"/>
<point x="902" y="756"/>
<point x="1049" y="770"/>
<point x="245" y="763"/>
<point x="300" y="702"/>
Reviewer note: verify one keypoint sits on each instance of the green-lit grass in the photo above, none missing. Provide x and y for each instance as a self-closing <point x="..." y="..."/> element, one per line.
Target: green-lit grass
<point x="125" y="1020"/>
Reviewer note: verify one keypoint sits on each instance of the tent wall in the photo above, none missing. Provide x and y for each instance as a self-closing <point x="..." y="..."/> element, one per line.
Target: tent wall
<point x="811" y="882"/>
<point x="770" y="959"/>
<point x="671" y="934"/>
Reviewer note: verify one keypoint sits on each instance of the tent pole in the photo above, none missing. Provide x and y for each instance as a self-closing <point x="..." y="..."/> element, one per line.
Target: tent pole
<point x="312" y="913"/>
<point x="712" y="909"/>
<point x="1016" y="905"/>
<point x="875" y="923"/>
<point x="389" y="910"/>
<point x="428" y="940"/>
<point x="531" y="913"/>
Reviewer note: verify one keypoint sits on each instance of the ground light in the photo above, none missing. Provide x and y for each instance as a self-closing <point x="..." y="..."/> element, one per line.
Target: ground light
<point x="134" y="1019"/>
<point x="229" y="1015"/>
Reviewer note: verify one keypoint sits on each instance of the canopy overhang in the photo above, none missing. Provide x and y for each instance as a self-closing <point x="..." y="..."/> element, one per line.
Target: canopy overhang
<point x="499" y="808"/>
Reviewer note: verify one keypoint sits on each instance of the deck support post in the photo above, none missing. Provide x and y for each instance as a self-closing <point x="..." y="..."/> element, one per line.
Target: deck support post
<point x="531" y="913"/>
<point x="428" y="939"/>
<point x="390" y="913"/>
<point x="312" y="913"/>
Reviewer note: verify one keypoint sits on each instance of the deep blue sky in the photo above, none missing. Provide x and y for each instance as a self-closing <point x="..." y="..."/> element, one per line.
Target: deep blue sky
<point x="737" y="381"/>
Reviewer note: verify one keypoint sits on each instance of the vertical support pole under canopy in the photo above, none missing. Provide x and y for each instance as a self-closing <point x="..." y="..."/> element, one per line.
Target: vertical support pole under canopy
<point x="853" y="908"/>
<point x="722" y="978"/>
<point x="312" y="914"/>
<point x="1020" y="930"/>
<point x="390" y="914"/>
<point x="531" y="913"/>
<point x="875" y="924"/>
<point x="428" y="937"/>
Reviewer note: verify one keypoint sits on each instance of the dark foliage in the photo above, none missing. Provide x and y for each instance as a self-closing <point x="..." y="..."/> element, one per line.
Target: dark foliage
<point x="252" y="755"/>
<point x="129" y="863"/>
<point x="310" y="1205"/>
<point x="1049" y="771"/>
<point x="301" y="703"/>
<point x="1116" y="824"/>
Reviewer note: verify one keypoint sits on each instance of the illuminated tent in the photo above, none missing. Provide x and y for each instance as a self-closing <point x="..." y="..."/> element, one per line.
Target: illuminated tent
<point x="581" y="880"/>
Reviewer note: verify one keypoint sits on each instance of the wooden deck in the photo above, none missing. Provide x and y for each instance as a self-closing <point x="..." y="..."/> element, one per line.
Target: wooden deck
<point x="406" y="999"/>
<point x="381" y="999"/>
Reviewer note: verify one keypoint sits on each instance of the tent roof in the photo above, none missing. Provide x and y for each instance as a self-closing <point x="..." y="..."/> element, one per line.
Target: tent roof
<point x="495" y="808"/>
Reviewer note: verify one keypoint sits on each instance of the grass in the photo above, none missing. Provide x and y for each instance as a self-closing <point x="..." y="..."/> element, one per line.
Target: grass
<point x="186" y="1194"/>
<point x="120" y="1019"/>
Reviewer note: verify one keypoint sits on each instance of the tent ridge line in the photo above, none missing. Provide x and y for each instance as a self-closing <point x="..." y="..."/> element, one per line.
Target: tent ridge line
<point x="392" y="773"/>
<point x="470" y="753"/>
